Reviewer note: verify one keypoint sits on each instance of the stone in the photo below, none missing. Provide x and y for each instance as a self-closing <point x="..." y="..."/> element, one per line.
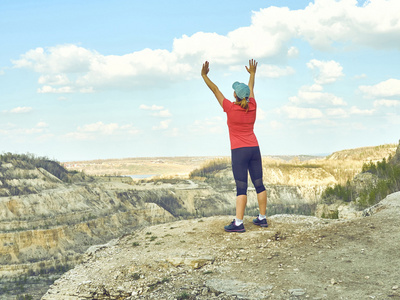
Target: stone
<point x="297" y="292"/>
<point x="195" y="262"/>
<point x="348" y="211"/>
<point x="204" y="291"/>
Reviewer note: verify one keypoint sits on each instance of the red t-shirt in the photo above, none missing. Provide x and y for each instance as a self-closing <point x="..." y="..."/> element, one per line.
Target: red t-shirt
<point x="241" y="124"/>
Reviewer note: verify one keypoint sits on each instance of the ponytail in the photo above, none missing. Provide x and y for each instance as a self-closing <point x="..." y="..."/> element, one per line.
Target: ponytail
<point x="243" y="103"/>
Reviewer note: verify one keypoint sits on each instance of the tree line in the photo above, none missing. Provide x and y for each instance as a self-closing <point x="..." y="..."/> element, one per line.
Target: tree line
<point x="387" y="175"/>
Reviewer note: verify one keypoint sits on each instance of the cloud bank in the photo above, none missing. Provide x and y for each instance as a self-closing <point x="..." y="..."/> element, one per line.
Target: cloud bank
<point x="324" y="24"/>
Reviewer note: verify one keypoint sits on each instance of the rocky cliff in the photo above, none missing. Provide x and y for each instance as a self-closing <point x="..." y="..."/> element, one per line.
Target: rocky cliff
<point x="49" y="217"/>
<point x="296" y="257"/>
<point x="64" y="221"/>
<point x="47" y="223"/>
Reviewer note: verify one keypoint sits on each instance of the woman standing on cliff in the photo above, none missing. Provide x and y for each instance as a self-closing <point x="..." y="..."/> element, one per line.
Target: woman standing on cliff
<point x="246" y="155"/>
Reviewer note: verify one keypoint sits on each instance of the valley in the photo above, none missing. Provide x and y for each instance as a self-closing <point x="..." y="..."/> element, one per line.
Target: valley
<point x="47" y="221"/>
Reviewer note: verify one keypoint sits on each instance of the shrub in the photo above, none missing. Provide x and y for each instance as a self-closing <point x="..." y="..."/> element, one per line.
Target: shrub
<point x="332" y="215"/>
<point x="135" y="276"/>
<point x="338" y="191"/>
<point x="183" y="295"/>
<point x="211" y="167"/>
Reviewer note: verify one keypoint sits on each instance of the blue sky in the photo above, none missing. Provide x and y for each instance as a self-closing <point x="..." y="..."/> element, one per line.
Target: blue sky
<point x="115" y="79"/>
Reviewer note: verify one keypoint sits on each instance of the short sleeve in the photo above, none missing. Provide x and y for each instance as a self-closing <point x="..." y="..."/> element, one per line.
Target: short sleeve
<point x="252" y="101"/>
<point x="227" y="105"/>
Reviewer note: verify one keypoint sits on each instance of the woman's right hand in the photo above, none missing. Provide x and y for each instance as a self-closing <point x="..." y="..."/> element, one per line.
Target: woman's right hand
<point x="205" y="69"/>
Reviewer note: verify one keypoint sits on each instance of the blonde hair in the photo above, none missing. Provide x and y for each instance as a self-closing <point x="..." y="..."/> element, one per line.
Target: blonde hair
<point x="243" y="103"/>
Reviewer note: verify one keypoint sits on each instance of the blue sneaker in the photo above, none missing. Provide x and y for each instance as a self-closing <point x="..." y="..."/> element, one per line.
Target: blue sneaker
<point x="233" y="228"/>
<point x="261" y="223"/>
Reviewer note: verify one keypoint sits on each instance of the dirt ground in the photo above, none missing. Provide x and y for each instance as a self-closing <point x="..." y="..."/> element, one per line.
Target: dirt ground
<point x="296" y="257"/>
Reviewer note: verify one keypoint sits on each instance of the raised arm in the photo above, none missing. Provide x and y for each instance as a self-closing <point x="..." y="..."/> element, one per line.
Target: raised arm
<point x="252" y="70"/>
<point x="210" y="84"/>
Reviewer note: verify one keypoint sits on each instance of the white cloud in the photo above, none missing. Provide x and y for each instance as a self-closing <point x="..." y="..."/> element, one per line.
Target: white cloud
<point x="360" y="76"/>
<point x="325" y="71"/>
<point x="86" y="90"/>
<point x="59" y="79"/>
<point x="19" y="110"/>
<point x="42" y="125"/>
<point x="386" y="103"/>
<point x="337" y="112"/>
<point x="294" y="112"/>
<point x="153" y="107"/>
<point x="356" y="111"/>
<point x="31" y="131"/>
<point x="326" y="21"/>
<point x="317" y="123"/>
<point x="15" y="131"/>
<point x="206" y="46"/>
<point x="272" y="71"/>
<point x="58" y="60"/>
<point x="81" y="136"/>
<point x="314" y="95"/>
<point x="159" y="111"/>
<point x="163" y="125"/>
<point x="162" y="113"/>
<point x="99" y="129"/>
<point x="76" y="69"/>
<point x="49" y="89"/>
<point x="146" y="67"/>
<point x="213" y="125"/>
<point x="388" y="88"/>
<point x="293" y="52"/>
<point x="323" y="24"/>
<point x="129" y="129"/>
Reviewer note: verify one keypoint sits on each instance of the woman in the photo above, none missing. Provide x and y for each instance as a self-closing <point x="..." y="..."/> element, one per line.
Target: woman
<point x="246" y="156"/>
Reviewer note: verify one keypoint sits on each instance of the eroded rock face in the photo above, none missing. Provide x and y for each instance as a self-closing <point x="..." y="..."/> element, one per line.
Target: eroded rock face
<point x="56" y="220"/>
<point x="53" y="223"/>
<point x="57" y="224"/>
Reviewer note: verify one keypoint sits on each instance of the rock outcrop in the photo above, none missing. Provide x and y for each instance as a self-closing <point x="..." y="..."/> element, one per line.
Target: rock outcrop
<point x="296" y="257"/>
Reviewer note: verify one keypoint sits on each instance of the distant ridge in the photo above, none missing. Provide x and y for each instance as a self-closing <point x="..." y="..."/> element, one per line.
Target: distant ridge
<point x="373" y="153"/>
<point x="299" y="157"/>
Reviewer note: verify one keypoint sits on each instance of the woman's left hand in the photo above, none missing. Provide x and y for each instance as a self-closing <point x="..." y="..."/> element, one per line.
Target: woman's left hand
<point x="205" y="69"/>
